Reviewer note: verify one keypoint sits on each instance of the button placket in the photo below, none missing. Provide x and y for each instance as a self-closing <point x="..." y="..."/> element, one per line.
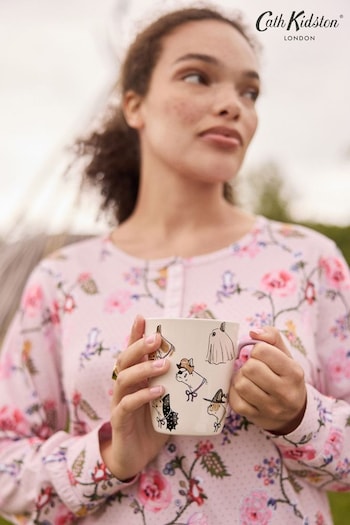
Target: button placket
<point x="174" y="291"/>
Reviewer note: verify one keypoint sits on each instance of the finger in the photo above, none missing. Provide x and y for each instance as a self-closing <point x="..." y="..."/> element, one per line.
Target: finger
<point x="241" y="405"/>
<point x="270" y="334"/>
<point x="139" y="346"/>
<point x="137" y="329"/>
<point x="281" y="364"/>
<point x="256" y="372"/>
<point x="250" y="400"/>
<point x="136" y="353"/>
<point x="130" y="403"/>
<point x="135" y="378"/>
<point x="288" y="389"/>
<point x="273" y="358"/>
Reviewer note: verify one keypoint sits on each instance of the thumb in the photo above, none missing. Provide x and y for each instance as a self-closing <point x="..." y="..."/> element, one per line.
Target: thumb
<point x="272" y="336"/>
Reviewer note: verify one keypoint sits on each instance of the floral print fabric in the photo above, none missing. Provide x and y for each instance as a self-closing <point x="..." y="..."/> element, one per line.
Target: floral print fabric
<point x="55" y="385"/>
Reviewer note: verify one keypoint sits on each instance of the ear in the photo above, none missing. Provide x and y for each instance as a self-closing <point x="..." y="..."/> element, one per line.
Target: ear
<point x="132" y="109"/>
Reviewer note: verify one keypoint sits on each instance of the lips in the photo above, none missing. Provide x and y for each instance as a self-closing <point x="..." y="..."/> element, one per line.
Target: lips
<point x="223" y="135"/>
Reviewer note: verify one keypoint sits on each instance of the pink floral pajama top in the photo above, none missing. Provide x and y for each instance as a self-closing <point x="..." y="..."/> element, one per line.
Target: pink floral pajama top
<point x="55" y="389"/>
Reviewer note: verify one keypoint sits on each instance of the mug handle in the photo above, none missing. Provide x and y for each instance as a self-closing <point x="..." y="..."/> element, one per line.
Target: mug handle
<point x="247" y="341"/>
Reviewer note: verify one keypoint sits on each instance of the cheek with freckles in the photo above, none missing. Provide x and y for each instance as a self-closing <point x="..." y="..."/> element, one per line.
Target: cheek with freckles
<point x="184" y="111"/>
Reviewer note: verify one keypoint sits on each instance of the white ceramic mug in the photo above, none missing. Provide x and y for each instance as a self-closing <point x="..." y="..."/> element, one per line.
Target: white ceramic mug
<point x="201" y="354"/>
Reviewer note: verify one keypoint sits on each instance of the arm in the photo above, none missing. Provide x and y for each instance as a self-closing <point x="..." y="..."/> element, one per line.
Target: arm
<point x="130" y="415"/>
<point x="45" y="471"/>
<point x="313" y="438"/>
<point x="319" y="448"/>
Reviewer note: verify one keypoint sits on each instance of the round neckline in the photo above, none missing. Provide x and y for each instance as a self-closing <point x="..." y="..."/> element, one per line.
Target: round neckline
<point x="193" y="260"/>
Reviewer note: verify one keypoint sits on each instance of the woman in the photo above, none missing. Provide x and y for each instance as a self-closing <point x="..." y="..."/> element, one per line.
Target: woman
<point x="77" y="446"/>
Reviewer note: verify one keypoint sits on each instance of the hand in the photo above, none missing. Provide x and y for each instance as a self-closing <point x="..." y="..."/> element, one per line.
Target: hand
<point x="269" y="389"/>
<point x="134" y="442"/>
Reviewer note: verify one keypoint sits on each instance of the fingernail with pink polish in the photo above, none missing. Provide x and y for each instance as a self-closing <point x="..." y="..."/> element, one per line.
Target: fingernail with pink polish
<point x="156" y="390"/>
<point x="258" y="331"/>
<point x="158" y="363"/>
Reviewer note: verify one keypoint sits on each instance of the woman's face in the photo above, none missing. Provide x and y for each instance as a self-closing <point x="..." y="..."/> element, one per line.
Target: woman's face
<point x="198" y="116"/>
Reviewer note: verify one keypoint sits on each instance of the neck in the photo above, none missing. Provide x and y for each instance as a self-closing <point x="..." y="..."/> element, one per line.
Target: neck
<point x="180" y="216"/>
<point x="189" y="205"/>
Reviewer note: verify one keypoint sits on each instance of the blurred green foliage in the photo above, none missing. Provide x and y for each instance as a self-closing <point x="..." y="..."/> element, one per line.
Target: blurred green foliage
<point x="267" y="193"/>
<point x="340" y="505"/>
<point x="339" y="234"/>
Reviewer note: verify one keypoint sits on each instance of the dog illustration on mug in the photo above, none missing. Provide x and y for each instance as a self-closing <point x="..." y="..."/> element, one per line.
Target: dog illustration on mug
<point x="190" y="378"/>
<point x="217" y="408"/>
<point x="165" y="414"/>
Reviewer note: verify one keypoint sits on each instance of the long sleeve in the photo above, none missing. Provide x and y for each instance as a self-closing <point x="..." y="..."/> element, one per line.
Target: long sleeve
<point x="56" y="387"/>
<point x="45" y="468"/>
<point x="319" y="449"/>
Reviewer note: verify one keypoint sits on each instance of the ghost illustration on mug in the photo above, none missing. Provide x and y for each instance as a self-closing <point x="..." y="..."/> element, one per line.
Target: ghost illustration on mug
<point x="220" y="346"/>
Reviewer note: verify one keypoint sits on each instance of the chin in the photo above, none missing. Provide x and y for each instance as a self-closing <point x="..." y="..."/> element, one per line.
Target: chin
<point x="210" y="170"/>
<point x="219" y="173"/>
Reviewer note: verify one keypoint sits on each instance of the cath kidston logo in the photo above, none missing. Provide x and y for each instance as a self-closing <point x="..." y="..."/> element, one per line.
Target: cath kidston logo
<point x="296" y="22"/>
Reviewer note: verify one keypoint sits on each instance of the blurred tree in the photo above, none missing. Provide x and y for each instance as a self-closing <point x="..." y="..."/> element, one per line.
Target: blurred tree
<point x="339" y="234"/>
<point x="266" y="192"/>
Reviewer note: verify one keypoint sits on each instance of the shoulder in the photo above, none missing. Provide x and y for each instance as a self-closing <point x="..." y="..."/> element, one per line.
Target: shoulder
<point x="70" y="261"/>
<point x="301" y="238"/>
<point x="77" y="252"/>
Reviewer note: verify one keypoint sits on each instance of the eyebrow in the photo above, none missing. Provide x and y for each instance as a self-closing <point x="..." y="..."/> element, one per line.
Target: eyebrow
<point x="212" y="60"/>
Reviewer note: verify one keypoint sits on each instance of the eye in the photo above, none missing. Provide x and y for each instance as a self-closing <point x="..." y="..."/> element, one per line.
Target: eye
<point x="195" y="78"/>
<point x="251" y="94"/>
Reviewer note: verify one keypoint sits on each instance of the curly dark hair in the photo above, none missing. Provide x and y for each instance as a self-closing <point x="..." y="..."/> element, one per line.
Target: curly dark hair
<point x="112" y="152"/>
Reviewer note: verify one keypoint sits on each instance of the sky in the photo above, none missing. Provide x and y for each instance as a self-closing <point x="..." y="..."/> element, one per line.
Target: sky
<point x="58" y="61"/>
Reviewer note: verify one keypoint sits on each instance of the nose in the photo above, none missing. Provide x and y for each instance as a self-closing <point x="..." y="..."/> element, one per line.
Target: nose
<point x="228" y="103"/>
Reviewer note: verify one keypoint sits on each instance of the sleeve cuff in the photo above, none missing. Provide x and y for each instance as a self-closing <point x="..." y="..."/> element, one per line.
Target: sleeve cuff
<point x="79" y="475"/>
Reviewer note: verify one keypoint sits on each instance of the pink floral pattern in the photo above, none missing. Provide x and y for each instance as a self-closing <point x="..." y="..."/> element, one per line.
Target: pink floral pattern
<point x="32" y="300"/>
<point x="119" y="301"/>
<point x="280" y="283"/>
<point x="154" y="491"/>
<point x="13" y="420"/>
<point x="336" y="272"/>
<point x="334" y="443"/>
<point x="301" y="453"/>
<point x="339" y="365"/>
<point x="55" y="390"/>
<point x="255" y="509"/>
